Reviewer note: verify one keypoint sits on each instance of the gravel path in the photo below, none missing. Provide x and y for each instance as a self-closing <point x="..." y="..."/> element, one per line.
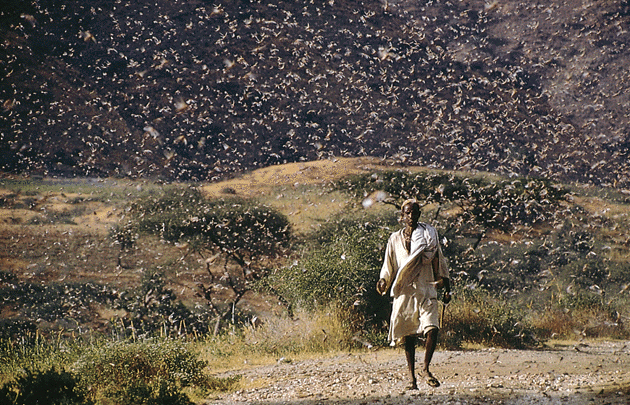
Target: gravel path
<point x="583" y="373"/>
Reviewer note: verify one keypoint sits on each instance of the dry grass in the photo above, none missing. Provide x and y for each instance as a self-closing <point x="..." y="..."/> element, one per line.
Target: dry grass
<point x="264" y="181"/>
<point x="278" y="339"/>
<point x="322" y="331"/>
<point x="579" y="324"/>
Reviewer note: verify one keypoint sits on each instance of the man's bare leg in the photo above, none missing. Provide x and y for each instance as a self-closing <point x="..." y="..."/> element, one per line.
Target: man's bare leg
<point x="430" y="345"/>
<point x="410" y="354"/>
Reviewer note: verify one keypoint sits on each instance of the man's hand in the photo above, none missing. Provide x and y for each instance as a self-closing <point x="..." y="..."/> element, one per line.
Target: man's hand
<point x="381" y="286"/>
<point x="447" y="297"/>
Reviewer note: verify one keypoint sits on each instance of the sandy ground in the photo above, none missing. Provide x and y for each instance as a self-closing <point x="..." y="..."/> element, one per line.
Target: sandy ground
<point x="581" y="373"/>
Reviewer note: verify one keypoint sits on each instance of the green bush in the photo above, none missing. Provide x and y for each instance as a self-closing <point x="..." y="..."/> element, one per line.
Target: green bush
<point x="152" y="307"/>
<point x="245" y="233"/>
<point x="16" y="329"/>
<point x="141" y="393"/>
<point x="56" y="301"/>
<point x="50" y="387"/>
<point x="147" y="372"/>
<point x="341" y="268"/>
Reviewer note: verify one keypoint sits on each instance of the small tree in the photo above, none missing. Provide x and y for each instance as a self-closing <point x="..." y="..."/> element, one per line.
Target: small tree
<point x="153" y="306"/>
<point x="475" y="205"/>
<point x="483" y="204"/>
<point x="238" y="231"/>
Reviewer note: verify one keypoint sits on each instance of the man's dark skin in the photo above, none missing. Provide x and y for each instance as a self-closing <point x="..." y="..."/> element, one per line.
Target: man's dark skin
<point x="410" y="213"/>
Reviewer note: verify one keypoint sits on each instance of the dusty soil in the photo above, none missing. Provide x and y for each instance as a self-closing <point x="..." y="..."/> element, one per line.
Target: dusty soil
<point x="562" y="373"/>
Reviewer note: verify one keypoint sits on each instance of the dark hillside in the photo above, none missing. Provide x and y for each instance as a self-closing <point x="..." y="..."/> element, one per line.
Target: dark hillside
<point x="198" y="89"/>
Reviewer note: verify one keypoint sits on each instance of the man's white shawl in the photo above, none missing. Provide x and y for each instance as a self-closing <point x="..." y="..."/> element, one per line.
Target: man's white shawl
<point x="424" y="245"/>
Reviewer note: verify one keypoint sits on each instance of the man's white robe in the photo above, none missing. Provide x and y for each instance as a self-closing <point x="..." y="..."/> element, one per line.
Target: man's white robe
<point x="412" y="278"/>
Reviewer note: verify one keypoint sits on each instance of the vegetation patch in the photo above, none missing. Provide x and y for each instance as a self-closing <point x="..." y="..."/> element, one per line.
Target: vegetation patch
<point x="233" y="278"/>
<point x="156" y="371"/>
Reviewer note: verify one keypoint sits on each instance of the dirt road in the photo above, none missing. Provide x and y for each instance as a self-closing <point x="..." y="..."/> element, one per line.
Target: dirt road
<point x="582" y="373"/>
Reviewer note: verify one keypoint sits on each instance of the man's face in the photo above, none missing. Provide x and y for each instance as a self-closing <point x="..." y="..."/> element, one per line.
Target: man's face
<point x="410" y="214"/>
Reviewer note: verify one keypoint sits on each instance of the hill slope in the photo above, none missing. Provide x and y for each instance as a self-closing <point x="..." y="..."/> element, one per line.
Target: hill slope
<point x="199" y="90"/>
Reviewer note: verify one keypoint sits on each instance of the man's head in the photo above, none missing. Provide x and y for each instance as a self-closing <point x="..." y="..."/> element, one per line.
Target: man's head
<point x="410" y="212"/>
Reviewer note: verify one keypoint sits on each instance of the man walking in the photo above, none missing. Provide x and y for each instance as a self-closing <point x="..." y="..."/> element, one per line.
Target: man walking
<point x="415" y="268"/>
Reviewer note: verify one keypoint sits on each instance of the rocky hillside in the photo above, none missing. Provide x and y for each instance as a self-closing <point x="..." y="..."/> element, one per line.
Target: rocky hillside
<point x="200" y="89"/>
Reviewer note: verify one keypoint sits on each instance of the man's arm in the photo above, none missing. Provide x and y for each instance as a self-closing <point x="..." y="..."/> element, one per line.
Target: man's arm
<point x="386" y="271"/>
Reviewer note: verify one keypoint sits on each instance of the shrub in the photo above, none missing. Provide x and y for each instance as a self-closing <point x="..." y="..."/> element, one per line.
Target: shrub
<point x="64" y="306"/>
<point x="248" y="234"/>
<point x="342" y="269"/>
<point x="148" y="372"/>
<point x="483" y="203"/>
<point x="582" y="314"/>
<point x="242" y="229"/>
<point x="55" y="301"/>
<point x="21" y="329"/>
<point x="152" y="307"/>
<point x="51" y="387"/>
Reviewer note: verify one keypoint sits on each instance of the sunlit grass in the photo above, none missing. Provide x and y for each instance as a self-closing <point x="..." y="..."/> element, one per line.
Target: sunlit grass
<point x="279" y="338"/>
<point x="306" y="206"/>
<point x="36" y="352"/>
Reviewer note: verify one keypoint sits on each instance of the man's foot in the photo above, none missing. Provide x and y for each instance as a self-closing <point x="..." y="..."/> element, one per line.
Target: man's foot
<point x="412" y="386"/>
<point x="430" y="379"/>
